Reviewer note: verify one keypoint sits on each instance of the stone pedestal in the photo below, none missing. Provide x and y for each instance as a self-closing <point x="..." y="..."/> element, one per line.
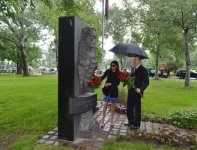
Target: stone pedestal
<point x="76" y="62"/>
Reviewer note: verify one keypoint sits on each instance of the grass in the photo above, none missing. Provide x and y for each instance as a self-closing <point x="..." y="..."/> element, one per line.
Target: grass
<point x="112" y="145"/>
<point x="164" y="96"/>
<point x="167" y="95"/>
<point x="28" y="109"/>
<point x="28" y="106"/>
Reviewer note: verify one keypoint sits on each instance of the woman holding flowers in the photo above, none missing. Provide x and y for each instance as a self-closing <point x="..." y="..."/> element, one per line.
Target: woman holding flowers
<point x="110" y="90"/>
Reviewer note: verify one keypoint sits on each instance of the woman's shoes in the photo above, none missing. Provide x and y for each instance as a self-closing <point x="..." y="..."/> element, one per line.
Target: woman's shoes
<point x="128" y="124"/>
<point x="102" y="125"/>
<point x="134" y="127"/>
<point x="111" y="124"/>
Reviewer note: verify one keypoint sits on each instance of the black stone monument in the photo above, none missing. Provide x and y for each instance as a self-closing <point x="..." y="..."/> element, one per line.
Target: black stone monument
<point x="77" y="62"/>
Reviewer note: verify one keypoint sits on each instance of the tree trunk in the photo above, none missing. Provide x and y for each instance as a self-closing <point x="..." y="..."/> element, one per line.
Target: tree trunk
<point x="187" y="57"/>
<point x="176" y="63"/>
<point x="24" y="63"/>
<point x="157" y="57"/>
<point x="24" y="58"/>
<point x="157" y="62"/>
<point x="23" y="41"/>
<point x="19" y="66"/>
<point x="18" y="63"/>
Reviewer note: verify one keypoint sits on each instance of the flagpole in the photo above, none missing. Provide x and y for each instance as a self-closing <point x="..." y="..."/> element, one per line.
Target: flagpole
<point x="103" y="5"/>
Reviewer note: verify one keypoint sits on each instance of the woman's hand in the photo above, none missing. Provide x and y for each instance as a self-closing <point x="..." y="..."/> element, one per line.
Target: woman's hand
<point x="138" y="90"/>
<point x="107" y="84"/>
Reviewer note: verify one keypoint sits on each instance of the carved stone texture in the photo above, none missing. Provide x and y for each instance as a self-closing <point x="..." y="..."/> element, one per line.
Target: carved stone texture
<point x="76" y="62"/>
<point x="87" y="63"/>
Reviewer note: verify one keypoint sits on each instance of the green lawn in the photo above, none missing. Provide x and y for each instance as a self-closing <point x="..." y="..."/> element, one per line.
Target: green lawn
<point x="28" y="106"/>
<point x="111" y="145"/>
<point x="28" y="109"/>
<point x="164" y="96"/>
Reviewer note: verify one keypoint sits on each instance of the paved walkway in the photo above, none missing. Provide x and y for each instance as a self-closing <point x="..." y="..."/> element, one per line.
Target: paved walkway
<point x="119" y="130"/>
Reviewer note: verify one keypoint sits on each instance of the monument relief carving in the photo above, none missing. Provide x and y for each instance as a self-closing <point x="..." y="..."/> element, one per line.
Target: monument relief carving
<point x="87" y="63"/>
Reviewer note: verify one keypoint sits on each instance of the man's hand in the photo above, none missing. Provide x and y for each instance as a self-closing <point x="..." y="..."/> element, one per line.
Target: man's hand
<point x="107" y="84"/>
<point x="138" y="90"/>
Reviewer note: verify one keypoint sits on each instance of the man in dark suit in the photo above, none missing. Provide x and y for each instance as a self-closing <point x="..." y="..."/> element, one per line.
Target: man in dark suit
<point x="134" y="96"/>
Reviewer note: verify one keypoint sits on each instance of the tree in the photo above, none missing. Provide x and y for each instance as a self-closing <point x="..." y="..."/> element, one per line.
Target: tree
<point x="22" y="20"/>
<point x="93" y="19"/>
<point x="83" y="9"/>
<point x="157" y="30"/>
<point x="18" y="19"/>
<point x="9" y="51"/>
<point x="116" y="27"/>
<point x="173" y="50"/>
<point x="137" y="25"/>
<point x="50" y="60"/>
<point x="34" y="54"/>
<point x="194" y="60"/>
<point x="181" y="14"/>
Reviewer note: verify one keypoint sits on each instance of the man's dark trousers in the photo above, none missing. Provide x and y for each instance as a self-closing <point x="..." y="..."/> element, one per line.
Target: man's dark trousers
<point x="134" y="108"/>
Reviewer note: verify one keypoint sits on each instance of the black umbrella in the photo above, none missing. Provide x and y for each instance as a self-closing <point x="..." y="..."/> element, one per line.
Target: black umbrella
<point x="130" y="50"/>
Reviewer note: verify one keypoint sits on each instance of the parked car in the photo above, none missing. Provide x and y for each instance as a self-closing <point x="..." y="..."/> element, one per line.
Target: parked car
<point x="162" y="73"/>
<point x="3" y="71"/>
<point x="151" y="72"/>
<point x="181" y="74"/>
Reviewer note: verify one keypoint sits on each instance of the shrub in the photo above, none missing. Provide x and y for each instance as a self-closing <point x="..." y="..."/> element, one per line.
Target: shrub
<point x="183" y="119"/>
<point x="146" y="118"/>
<point x="123" y="95"/>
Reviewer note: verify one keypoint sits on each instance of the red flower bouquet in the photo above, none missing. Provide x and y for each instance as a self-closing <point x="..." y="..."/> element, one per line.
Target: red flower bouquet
<point x="95" y="82"/>
<point x="123" y="76"/>
<point x="126" y="79"/>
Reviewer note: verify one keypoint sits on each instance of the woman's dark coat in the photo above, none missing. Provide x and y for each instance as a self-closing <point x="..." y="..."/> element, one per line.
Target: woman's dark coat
<point x="112" y="77"/>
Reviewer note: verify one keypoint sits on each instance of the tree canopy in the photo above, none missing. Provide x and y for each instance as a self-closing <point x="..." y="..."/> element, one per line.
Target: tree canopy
<point x="166" y="29"/>
<point x="23" y="21"/>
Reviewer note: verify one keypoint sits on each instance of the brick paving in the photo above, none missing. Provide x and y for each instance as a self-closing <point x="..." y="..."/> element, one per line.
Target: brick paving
<point x="108" y="132"/>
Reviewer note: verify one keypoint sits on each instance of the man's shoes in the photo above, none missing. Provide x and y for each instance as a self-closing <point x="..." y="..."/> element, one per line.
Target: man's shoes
<point x="127" y="124"/>
<point x="134" y="127"/>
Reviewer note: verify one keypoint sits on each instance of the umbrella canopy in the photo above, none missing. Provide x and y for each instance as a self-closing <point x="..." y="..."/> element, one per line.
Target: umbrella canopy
<point x="130" y="50"/>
